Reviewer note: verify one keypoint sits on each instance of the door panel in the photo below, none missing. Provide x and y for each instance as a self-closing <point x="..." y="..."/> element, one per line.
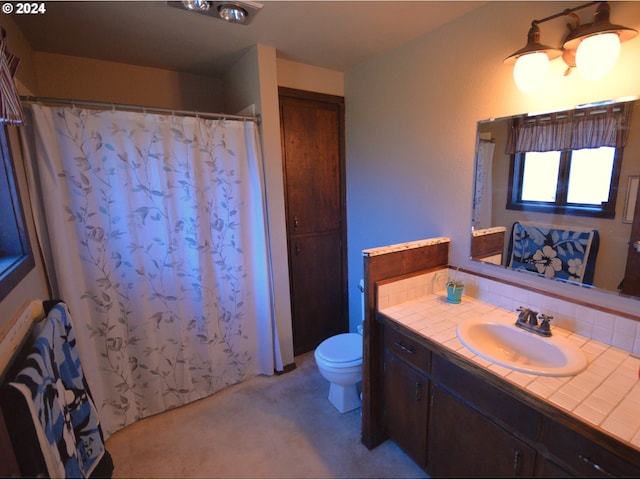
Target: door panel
<point x="316" y="265"/>
<point x="312" y="166"/>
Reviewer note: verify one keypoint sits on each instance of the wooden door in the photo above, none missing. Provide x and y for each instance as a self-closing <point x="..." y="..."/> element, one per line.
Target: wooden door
<point x="465" y="444"/>
<point x="406" y="397"/>
<point x="312" y="127"/>
<point x="631" y="282"/>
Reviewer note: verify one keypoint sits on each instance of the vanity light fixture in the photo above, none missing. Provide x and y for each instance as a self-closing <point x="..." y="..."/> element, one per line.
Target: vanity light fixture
<point x="231" y="11"/>
<point x="592" y="48"/>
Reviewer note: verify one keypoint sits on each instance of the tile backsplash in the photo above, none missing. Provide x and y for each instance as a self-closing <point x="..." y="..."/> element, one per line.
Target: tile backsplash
<point x="605" y="327"/>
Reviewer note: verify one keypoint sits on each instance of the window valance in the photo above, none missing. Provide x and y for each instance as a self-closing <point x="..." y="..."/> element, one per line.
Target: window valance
<point x="602" y="126"/>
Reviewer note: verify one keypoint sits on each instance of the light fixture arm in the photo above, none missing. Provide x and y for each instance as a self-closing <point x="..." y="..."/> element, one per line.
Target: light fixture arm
<point x="565" y="13"/>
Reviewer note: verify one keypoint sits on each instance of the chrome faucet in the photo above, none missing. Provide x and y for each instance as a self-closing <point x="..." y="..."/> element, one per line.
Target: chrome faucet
<point x="528" y="320"/>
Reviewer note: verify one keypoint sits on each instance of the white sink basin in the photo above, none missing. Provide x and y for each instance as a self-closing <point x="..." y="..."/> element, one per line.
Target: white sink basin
<point x="512" y="347"/>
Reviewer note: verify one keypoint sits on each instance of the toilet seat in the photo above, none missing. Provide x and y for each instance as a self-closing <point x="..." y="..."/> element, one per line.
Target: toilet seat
<point x="342" y="350"/>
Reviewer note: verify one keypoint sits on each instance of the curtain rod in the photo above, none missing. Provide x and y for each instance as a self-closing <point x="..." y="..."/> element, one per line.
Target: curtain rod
<point x="106" y="106"/>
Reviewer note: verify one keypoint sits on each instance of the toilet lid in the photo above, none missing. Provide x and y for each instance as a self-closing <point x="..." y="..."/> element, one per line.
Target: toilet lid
<point x="345" y="347"/>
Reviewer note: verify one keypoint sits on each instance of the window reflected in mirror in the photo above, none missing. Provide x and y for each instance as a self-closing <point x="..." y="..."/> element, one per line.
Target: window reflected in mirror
<point x="573" y="182"/>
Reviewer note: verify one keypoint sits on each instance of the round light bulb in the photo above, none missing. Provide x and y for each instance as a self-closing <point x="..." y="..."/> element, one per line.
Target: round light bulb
<point x="530" y="71"/>
<point x="597" y="55"/>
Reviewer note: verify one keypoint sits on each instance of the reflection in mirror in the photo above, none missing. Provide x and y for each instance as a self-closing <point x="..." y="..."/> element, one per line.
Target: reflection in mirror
<point x="579" y="222"/>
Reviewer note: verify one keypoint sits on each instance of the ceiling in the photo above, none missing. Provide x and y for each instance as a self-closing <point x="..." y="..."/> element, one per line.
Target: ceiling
<point x="332" y="34"/>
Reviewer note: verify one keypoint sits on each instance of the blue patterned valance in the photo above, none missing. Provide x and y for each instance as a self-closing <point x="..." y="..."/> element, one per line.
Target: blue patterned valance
<point x="565" y="253"/>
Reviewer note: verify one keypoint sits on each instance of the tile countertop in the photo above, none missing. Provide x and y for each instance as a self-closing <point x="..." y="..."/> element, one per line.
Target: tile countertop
<point x="606" y="394"/>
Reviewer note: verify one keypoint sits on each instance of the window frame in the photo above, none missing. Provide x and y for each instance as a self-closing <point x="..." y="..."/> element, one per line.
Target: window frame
<point x="16" y="258"/>
<point x="560" y="206"/>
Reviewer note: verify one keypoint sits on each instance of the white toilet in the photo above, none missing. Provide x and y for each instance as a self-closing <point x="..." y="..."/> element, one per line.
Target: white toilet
<point x="339" y="360"/>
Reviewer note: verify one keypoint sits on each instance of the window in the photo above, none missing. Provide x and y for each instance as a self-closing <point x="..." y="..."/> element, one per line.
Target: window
<point x="15" y="258"/>
<point x="572" y="182"/>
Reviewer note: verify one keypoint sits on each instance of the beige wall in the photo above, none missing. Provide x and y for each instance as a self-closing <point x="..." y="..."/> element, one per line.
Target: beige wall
<point x="26" y="76"/>
<point x="62" y="76"/>
<point x="411" y="123"/>
<point x="308" y="77"/>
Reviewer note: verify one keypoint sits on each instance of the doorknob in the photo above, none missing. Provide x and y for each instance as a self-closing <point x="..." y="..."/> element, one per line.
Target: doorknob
<point x="296" y="222"/>
<point x="636" y="245"/>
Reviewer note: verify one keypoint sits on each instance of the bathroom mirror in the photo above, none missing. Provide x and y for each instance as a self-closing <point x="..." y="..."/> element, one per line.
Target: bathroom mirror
<point x="528" y="221"/>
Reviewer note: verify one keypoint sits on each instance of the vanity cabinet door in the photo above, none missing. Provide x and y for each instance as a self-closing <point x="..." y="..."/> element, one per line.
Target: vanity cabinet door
<point x="406" y="397"/>
<point x="465" y="444"/>
<point x="546" y="468"/>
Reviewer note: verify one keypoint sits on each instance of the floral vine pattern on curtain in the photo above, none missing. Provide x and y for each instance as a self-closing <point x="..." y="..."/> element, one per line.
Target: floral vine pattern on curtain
<point x="159" y="248"/>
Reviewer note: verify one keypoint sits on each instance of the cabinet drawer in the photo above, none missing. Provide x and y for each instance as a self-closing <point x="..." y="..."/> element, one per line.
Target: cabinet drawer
<point x="586" y="457"/>
<point x="408" y="349"/>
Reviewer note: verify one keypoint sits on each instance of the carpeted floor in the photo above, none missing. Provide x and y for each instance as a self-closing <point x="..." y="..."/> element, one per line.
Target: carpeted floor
<point x="267" y="427"/>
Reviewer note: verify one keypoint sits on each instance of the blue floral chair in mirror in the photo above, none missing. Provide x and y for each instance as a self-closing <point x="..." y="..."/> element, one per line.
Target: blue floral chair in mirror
<point x="563" y="253"/>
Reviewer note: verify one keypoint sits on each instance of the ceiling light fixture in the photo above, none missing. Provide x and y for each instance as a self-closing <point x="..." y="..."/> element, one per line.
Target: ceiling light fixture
<point x="592" y="48"/>
<point x="232" y="11"/>
<point x="196" y="5"/>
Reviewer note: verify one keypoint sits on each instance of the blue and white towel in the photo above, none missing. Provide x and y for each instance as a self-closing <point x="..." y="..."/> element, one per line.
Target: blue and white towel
<point x="563" y="253"/>
<point x="54" y="387"/>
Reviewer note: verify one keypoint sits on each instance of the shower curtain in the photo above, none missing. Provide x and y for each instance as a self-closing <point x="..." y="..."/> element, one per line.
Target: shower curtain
<point x="157" y="236"/>
<point x="482" y="188"/>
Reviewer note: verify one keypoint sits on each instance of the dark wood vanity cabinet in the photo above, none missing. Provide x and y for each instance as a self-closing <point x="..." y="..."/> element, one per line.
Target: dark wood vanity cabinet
<point x="457" y="420"/>
<point x="406" y="394"/>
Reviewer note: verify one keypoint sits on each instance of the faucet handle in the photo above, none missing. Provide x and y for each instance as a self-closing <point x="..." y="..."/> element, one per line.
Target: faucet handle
<point x="522" y="316"/>
<point x="544" y="322"/>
